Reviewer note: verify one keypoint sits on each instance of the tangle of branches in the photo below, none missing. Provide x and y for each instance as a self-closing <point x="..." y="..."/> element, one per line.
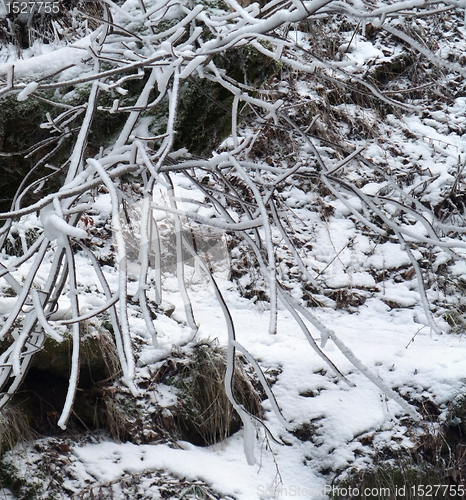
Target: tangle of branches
<point x="163" y="48"/>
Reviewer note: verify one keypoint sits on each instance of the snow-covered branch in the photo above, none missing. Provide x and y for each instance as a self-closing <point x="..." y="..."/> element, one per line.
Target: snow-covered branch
<point x="157" y="68"/>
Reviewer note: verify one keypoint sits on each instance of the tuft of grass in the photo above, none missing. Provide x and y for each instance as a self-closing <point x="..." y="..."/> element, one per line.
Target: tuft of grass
<point x="14" y="428"/>
<point x="119" y="416"/>
<point x="205" y="415"/>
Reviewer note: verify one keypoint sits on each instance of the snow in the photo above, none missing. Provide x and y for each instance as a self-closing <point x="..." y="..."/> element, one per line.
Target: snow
<point x="53" y="59"/>
<point x="342" y="414"/>
<point x="218" y="467"/>
<point x="29" y="89"/>
<point x="360" y="51"/>
<point x="55" y="228"/>
<point x="387" y="329"/>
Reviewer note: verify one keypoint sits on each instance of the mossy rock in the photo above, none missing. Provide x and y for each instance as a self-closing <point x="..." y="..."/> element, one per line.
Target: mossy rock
<point x="204" y="114"/>
<point x="23" y="30"/>
<point x="203" y="121"/>
<point x="43" y="392"/>
<point x="204" y="110"/>
<point x="20" y="129"/>
<point x="213" y="5"/>
<point x="98" y="358"/>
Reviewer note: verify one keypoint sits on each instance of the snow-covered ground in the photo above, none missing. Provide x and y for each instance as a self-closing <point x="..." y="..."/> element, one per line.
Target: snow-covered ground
<point x="423" y="366"/>
<point x="369" y="294"/>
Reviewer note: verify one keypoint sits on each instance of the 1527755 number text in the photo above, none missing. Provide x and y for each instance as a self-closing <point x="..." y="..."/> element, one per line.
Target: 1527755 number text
<point x="13" y="7"/>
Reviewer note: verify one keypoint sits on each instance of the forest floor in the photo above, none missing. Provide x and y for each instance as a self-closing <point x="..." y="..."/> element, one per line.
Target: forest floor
<point x="368" y="292"/>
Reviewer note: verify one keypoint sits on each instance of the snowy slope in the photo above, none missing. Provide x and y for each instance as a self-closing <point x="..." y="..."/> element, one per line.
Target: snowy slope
<point x="367" y="291"/>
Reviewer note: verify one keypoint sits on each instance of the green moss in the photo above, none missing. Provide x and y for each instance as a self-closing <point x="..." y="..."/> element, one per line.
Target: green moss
<point x="213" y="5"/>
<point x="204" y="111"/>
<point x="98" y="358"/>
<point x="19" y="130"/>
<point x="22" y="486"/>
<point x="248" y="65"/>
<point x="203" y="117"/>
<point x="27" y="116"/>
<point x="13" y="244"/>
<point x="165" y="25"/>
<point x="204" y="114"/>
